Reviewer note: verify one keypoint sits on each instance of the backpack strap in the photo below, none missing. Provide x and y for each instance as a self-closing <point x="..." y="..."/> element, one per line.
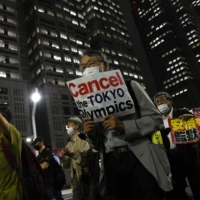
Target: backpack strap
<point x="10" y="158"/>
<point x="131" y="92"/>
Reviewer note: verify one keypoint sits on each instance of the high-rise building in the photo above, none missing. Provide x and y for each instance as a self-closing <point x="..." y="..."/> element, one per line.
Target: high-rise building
<point x="170" y="31"/>
<point x="41" y="41"/>
<point x="14" y="65"/>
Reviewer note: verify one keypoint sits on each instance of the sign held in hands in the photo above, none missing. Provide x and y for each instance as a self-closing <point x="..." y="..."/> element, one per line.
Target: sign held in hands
<point x="185" y="132"/>
<point x="101" y="94"/>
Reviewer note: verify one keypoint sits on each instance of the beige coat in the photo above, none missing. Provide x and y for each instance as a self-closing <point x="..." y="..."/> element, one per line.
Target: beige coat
<point x="78" y="161"/>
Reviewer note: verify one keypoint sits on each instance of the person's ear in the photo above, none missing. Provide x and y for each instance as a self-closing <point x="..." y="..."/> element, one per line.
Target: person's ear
<point x="77" y="126"/>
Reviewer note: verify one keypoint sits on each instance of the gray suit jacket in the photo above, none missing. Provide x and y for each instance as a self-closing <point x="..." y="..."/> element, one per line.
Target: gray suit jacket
<point x="137" y="133"/>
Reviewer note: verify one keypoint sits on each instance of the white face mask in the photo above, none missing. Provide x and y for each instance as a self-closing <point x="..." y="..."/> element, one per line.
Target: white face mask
<point x="70" y="131"/>
<point x="92" y="70"/>
<point x="163" y="108"/>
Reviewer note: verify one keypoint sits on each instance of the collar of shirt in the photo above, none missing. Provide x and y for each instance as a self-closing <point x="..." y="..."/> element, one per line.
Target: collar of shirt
<point x="165" y="119"/>
<point x="166" y="124"/>
<point x="75" y="138"/>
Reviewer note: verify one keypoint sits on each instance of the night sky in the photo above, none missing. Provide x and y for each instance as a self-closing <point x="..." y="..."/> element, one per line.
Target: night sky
<point x="138" y="48"/>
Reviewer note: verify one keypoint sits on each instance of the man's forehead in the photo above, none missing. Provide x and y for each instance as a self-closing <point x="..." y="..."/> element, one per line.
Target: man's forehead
<point x="161" y="96"/>
<point x="70" y="122"/>
<point x="87" y="58"/>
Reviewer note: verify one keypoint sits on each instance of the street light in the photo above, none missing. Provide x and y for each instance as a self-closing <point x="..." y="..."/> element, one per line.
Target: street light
<point x="35" y="98"/>
<point x="28" y="140"/>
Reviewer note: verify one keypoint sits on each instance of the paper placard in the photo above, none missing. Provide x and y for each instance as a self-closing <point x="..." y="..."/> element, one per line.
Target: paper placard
<point x="101" y="94"/>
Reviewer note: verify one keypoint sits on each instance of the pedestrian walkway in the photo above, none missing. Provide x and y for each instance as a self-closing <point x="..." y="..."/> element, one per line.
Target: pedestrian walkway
<point x="67" y="194"/>
<point x="66" y="191"/>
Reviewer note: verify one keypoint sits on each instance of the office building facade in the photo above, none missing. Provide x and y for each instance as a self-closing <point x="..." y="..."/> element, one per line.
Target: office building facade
<point x="170" y="31"/>
<point x="41" y="41"/>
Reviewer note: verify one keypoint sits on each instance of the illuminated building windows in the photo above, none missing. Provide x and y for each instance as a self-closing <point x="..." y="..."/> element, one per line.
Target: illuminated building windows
<point x="79" y="42"/>
<point x="108" y="12"/>
<point x="72" y="13"/>
<point x="82" y="25"/>
<point x="74" y="49"/>
<point x="78" y="73"/>
<point x="59" y="15"/>
<point x="70" y="71"/>
<point x="72" y="39"/>
<point x="62" y="35"/>
<point x="74" y="22"/>
<point x="68" y="18"/>
<point x="88" y="10"/>
<point x="116" y="62"/>
<point x="68" y="59"/>
<point x="65" y="47"/>
<point x="80" y="15"/>
<point x="66" y="9"/>
<point x="86" y="44"/>
<point x="76" y="60"/>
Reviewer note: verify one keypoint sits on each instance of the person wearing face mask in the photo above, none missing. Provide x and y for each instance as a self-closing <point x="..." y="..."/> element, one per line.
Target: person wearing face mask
<point x="75" y="158"/>
<point x="45" y="157"/>
<point x="183" y="158"/>
<point x="131" y="166"/>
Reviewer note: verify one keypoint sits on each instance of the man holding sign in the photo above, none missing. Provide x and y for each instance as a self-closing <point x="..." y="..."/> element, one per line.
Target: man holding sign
<point x="183" y="157"/>
<point x="131" y="166"/>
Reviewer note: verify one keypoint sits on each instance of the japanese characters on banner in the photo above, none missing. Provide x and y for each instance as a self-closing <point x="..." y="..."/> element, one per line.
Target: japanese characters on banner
<point x="101" y="94"/>
<point x="196" y="111"/>
<point x="185" y="132"/>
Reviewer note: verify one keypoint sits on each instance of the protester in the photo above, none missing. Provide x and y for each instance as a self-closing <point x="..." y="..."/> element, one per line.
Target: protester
<point x="94" y="169"/>
<point x="57" y="193"/>
<point x="75" y="159"/>
<point x="45" y="157"/>
<point x="131" y="166"/>
<point x="183" y="158"/>
<point x="10" y="186"/>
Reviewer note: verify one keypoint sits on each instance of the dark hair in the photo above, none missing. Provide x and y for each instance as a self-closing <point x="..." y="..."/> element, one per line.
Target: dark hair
<point x="90" y="52"/>
<point x="5" y="111"/>
<point x="168" y="96"/>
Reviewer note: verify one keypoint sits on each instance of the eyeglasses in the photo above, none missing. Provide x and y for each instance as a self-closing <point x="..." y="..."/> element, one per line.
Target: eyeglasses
<point x="160" y="100"/>
<point x="90" y="63"/>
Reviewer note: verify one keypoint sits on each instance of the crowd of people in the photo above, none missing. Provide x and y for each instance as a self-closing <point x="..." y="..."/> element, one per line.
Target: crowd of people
<point x="113" y="159"/>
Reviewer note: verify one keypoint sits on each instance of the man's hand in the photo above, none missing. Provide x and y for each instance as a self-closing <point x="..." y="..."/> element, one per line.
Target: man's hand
<point x="90" y="127"/>
<point x="44" y="165"/>
<point x="113" y="123"/>
<point x="60" y="153"/>
<point x="67" y="151"/>
<point x="185" y="116"/>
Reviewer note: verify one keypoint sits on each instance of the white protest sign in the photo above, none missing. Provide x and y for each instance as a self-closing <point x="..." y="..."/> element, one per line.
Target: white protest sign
<point x="101" y="94"/>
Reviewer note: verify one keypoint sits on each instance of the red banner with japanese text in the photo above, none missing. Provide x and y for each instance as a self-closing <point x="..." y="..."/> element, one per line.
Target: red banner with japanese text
<point x="196" y="111"/>
<point x="185" y="132"/>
